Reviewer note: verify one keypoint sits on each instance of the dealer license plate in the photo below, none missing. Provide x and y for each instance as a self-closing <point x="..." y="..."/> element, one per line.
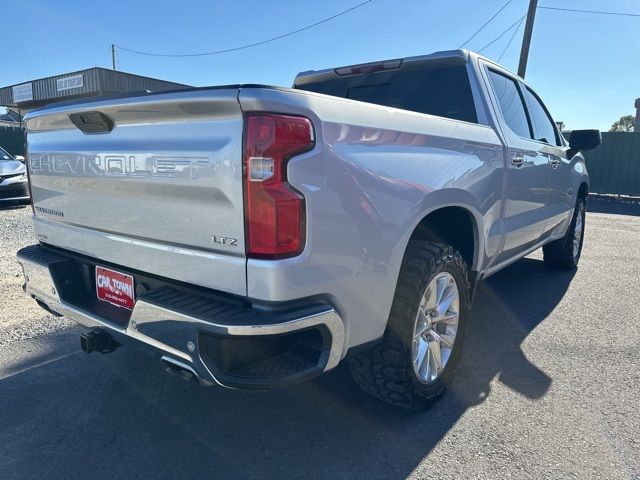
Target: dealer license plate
<point x="115" y="288"/>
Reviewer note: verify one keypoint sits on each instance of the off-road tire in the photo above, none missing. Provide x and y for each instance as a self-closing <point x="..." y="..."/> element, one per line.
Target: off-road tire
<point x="559" y="253"/>
<point x="386" y="370"/>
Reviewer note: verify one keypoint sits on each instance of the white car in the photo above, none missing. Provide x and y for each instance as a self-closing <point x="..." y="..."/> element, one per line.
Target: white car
<point x="14" y="185"/>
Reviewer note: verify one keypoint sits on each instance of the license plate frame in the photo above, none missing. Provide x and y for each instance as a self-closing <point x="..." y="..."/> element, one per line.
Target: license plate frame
<point x="115" y="287"/>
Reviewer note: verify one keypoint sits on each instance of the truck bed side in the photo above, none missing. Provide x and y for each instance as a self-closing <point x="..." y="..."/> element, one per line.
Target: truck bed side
<point x="374" y="174"/>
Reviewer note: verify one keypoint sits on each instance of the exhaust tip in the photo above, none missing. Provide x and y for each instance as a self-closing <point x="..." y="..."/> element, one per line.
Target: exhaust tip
<point x="181" y="370"/>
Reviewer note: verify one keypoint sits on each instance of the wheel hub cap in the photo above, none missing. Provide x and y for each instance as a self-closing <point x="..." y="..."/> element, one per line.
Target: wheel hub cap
<point x="436" y="327"/>
<point x="577" y="233"/>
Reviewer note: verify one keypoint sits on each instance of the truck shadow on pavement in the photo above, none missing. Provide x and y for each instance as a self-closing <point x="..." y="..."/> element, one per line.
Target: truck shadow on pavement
<point x="121" y="416"/>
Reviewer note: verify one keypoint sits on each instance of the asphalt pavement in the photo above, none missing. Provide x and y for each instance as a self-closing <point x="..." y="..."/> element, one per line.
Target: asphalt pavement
<point x="548" y="387"/>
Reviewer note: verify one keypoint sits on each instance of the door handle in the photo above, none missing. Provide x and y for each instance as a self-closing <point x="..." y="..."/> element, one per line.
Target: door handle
<point x="517" y="160"/>
<point x="554" y="162"/>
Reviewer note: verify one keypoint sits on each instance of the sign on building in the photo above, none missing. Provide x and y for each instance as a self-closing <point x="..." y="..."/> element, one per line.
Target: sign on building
<point x="22" y="93"/>
<point x="67" y="83"/>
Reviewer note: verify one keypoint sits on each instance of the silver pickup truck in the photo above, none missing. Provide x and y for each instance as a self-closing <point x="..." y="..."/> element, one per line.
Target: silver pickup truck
<point x="256" y="236"/>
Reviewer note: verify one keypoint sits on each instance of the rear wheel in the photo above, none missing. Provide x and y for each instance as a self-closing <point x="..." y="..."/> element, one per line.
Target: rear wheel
<point x="565" y="252"/>
<point x="421" y="346"/>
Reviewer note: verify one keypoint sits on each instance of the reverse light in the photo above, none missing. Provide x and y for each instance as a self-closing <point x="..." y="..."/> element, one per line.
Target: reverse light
<point x="274" y="211"/>
<point x="260" y="169"/>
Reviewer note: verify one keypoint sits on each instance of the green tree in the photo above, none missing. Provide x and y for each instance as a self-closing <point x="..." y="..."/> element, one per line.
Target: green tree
<point x="625" y="124"/>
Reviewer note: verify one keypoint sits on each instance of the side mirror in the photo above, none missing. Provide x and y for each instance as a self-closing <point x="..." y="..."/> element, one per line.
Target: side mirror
<point x="19" y="158"/>
<point x="581" y="140"/>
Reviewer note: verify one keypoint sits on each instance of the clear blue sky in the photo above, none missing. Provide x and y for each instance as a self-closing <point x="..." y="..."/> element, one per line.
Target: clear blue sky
<point x="585" y="67"/>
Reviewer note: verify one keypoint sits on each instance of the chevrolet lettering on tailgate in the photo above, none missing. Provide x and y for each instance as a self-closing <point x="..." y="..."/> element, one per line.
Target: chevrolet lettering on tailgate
<point x="66" y="164"/>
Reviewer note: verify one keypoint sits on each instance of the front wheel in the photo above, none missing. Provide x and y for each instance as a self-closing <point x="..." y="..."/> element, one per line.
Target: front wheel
<point x="416" y="359"/>
<point x="565" y="252"/>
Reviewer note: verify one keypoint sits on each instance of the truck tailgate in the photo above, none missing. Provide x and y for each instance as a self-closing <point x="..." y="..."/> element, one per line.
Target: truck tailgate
<point x="161" y="190"/>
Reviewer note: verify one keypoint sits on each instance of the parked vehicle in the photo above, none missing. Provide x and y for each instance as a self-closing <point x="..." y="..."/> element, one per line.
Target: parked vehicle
<point x="257" y="236"/>
<point x="14" y="186"/>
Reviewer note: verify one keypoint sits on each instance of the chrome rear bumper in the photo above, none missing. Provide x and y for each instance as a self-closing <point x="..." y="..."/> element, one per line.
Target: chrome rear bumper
<point x="190" y="326"/>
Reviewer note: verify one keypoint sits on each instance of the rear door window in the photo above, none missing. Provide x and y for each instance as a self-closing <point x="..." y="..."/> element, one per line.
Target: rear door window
<point x="511" y="104"/>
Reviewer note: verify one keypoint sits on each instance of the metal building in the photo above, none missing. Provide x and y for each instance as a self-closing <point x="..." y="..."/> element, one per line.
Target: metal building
<point x="92" y="82"/>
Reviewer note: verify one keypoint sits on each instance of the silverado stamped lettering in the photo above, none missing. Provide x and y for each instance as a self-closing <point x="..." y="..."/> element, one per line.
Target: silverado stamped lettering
<point x="49" y="211"/>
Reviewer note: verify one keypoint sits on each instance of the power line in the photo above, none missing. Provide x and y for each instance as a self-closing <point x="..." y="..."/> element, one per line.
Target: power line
<point x="502" y="34"/>
<point x="511" y="39"/>
<point x="621" y="14"/>
<point x="485" y="24"/>
<point x="242" y="47"/>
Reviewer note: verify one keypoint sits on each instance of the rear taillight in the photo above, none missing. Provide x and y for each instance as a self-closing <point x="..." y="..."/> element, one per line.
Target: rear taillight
<point x="274" y="211"/>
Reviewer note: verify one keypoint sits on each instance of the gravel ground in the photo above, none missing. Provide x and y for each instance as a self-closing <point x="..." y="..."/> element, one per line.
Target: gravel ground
<point x="548" y="387"/>
<point x="20" y="317"/>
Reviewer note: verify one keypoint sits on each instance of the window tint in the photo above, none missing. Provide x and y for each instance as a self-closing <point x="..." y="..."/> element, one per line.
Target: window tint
<point x="442" y="91"/>
<point x="510" y="101"/>
<point x="545" y="130"/>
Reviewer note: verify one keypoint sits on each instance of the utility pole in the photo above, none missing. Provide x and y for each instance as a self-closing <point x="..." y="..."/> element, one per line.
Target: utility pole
<point x="113" y="56"/>
<point x="526" y="40"/>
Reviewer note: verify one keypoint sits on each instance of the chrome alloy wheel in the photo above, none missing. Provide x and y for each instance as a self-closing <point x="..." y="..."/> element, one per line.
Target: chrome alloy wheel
<point x="578" y="230"/>
<point x="436" y="327"/>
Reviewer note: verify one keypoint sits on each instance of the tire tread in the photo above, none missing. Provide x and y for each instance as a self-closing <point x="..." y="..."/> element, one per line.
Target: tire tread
<point x="385" y="371"/>
<point x="559" y="253"/>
